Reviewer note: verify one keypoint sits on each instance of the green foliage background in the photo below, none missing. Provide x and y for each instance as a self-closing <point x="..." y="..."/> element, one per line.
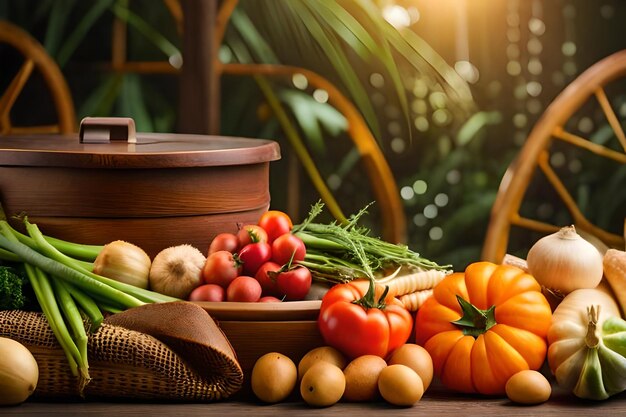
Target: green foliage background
<point x="436" y="129"/>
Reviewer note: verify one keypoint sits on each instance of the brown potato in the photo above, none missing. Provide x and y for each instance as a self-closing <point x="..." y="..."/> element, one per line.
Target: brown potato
<point x="273" y="377"/>
<point x="322" y="353"/>
<point x="362" y="378"/>
<point x="415" y="357"/>
<point x="400" y="385"/>
<point x="323" y="384"/>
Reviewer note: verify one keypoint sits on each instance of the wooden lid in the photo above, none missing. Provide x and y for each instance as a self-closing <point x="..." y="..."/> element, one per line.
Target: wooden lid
<point x="151" y="150"/>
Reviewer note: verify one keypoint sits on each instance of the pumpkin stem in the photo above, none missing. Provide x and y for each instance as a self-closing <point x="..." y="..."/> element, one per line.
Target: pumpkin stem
<point x="475" y="321"/>
<point x="591" y="338"/>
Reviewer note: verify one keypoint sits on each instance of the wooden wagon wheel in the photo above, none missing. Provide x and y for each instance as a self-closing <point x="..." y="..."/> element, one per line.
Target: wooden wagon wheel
<point x="35" y="59"/>
<point x="536" y="154"/>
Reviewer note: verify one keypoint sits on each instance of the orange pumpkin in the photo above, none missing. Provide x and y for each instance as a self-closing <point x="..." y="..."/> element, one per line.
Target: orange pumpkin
<point x="484" y="325"/>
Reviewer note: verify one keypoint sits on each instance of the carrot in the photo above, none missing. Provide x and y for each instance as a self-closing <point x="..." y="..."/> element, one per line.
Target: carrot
<point x="405" y="283"/>
<point x="413" y="301"/>
<point x="614" y="263"/>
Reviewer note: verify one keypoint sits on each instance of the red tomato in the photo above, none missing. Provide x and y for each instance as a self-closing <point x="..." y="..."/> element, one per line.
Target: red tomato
<point x="294" y="283"/>
<point x="269" y="299"/>
<point x="275" y="223"/>
<point x="224" y="241"/>
<point x="251" y="233"/>
<point x="285" y="246"/>
<point x="207" y="292"/>
<point x="243" y="288"/>
<point x="268" y="283"/>
<point x="253" y="255"/>
<point x="355" y="321"/>
<point x="221" y="268"/>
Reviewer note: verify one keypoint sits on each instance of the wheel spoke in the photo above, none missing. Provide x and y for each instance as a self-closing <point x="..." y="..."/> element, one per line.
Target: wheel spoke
<point x="579" y="219"/>
<point x="15" y="88"/>
<point x="610" y="116"/>
<point x="576" y="140"/>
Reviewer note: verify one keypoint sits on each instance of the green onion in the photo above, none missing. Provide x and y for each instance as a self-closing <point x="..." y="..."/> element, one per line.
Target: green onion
<point x="50" y="309"/>
<point x="67" y="273"/>
<point x="66" y="288"/>
<point x="342" y="252"/>
<point x="51" y="252"/>
<point x="75" y="250"/>
<point x="74" y="319"/>
<point x="86" y="304"/>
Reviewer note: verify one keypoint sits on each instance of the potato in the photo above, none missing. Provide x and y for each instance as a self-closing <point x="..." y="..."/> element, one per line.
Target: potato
<point x="415" y="357"/>
<point x="528" y="387"/>
<point x="400" y="385"/>
<point x="362" y="378"/>
<point x="273" y="377"/>
<point x="322" y="353"/>
<point x="323" y="384"/>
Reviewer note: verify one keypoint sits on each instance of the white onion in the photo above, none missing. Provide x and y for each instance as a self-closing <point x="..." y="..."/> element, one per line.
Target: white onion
<point x="19" y="372"/>
<point x="564" y="262"/>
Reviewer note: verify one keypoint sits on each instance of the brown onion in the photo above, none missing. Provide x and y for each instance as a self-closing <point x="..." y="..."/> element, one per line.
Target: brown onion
<point x="19" y="372"/>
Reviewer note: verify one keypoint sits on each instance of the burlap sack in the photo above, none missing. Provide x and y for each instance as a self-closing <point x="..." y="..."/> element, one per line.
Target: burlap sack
<point x="193" y="361"/>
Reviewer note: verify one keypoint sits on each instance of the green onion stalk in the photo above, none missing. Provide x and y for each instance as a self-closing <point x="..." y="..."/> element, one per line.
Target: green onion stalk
<point x="341" y="252"/>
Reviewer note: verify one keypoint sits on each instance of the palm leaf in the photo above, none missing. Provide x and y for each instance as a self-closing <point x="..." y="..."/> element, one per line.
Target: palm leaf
<point x="101" y="101"/>
<point x="150" y="33"/>
<point x="255" y="42"/>
<point x="57" y="23"/>
<point x="312" y="116"/>
<point x="83" y="27"/>
<point x="330" y="44"/>
<point x="131" y="102"/>
<point x="408" y="43"/>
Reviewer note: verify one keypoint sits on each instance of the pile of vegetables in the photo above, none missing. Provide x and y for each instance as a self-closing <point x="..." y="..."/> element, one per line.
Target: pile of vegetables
<point x="274" y="260"/>
<point x="324" y="376"/>
<point x="66" y="288"/>
<point x="260" y="263"/>
<point x="486" y="330"/>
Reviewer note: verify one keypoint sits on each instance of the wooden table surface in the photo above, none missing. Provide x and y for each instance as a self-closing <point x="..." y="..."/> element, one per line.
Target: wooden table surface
<point x="436" y="401"/>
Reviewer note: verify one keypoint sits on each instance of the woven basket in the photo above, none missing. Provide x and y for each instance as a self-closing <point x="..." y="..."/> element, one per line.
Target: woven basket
<point x="125" y="364"/>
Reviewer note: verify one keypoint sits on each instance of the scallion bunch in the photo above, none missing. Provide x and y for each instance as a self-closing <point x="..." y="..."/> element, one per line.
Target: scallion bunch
<point x="67" y="290"/>
<point x="343" y="252"/>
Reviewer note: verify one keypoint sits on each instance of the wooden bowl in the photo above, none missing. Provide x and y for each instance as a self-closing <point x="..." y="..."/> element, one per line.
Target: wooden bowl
<point x="255" y="329"/>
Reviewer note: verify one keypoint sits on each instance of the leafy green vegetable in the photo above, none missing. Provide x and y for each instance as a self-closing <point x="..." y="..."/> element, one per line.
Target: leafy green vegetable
<point x="342" y="252"/>
<point x="11" y="289"/>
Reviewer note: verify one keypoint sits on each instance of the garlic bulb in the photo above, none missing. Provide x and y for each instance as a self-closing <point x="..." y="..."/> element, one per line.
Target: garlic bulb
<point x="177" y="270"/>
<point x="19" y="372"/>
<point x="563" y="262"/>
<point x="124" y="262"/>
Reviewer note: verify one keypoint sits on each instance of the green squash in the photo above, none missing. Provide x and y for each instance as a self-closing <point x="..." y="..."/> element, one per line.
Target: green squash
<point x="587" y="345"/>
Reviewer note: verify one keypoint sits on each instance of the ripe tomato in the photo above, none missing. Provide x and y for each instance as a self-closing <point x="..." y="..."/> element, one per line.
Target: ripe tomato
<point x="268" y="282"/>
<point x="357" y="320"/>
<point x="244" y="288"/>
<point x="253" y="255"/>
<point x="294" y="283"/>
<point x="251" y="233"/>
<point x="221" y="268"/>
<point x="275" y="223"/>
<point x="207" y="292"/>
<point x="285" y="246"/>
<point x="224" y="241"/>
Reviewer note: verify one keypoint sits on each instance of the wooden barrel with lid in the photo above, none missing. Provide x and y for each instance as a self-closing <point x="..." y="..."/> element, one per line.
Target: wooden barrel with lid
<point x="153" y="190"/>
